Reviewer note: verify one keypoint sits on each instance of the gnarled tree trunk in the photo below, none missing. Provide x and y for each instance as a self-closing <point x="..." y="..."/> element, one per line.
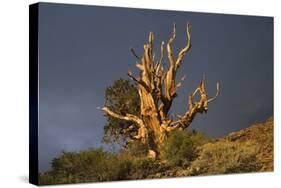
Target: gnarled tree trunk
<point x="157" y="89"/>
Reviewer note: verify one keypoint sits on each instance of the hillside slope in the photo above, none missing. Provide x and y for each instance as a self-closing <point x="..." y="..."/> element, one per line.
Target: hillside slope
<point x="247" y="150"/>
<point x="261" y="135"/>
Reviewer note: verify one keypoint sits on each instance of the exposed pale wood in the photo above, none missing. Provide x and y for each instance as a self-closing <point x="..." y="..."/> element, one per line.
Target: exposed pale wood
<point x="127" y="117"/>
<point x="157" y="90"/>
<point x="217" y="93"/>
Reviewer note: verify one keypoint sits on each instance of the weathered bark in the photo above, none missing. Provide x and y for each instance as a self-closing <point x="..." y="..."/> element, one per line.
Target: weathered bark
<point x="157" y="89"/>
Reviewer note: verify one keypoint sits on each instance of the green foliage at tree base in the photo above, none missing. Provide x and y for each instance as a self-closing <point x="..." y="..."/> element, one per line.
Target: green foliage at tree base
<point x="180" y="146"/>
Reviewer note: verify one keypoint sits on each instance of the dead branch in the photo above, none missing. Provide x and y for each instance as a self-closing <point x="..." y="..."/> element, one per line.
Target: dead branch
<point x="134" y="53"/>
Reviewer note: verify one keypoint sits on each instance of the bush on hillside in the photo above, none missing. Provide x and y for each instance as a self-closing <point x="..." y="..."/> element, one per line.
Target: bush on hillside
<point x="180" y="147"/>
<point x="85" y="166"/>
<point x="225" y="157"/>
<point x="137" y="149"/>
<point x="96" y="165"/>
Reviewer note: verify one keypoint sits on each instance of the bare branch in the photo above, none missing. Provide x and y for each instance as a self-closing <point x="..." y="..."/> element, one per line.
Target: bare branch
<point x="169" y="46"/>
<point x="139" y="66"/>
<point x="138" y="80"/>
<point x="130" y="74"/>
<point x="158" y="65"/>
<point x="196" y="107"/>
<point x="127" y="117"/>
<point x="141" y="129"/>
<point x="196" y="90"/>
<point x="217" y="93"/>
<point x="134" y="53"/>
<point x="151" y="41"/>
<point x="185" y="49"/>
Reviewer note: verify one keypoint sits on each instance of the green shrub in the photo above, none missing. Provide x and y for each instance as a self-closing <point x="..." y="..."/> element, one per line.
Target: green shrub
<point x="46" y="179"/>
<point x="137" y="149"/>
<point x="225" y="157"/>
<point x="180" y="147"/>
<point x="142" y="167"/>
<point x="85" y="166"/>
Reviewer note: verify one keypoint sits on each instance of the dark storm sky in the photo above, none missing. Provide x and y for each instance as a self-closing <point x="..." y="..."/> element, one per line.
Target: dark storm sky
<point x="82" y="49"/>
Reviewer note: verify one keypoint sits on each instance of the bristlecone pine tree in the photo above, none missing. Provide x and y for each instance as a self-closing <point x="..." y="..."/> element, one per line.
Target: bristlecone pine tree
<point x="157" y="90"/>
